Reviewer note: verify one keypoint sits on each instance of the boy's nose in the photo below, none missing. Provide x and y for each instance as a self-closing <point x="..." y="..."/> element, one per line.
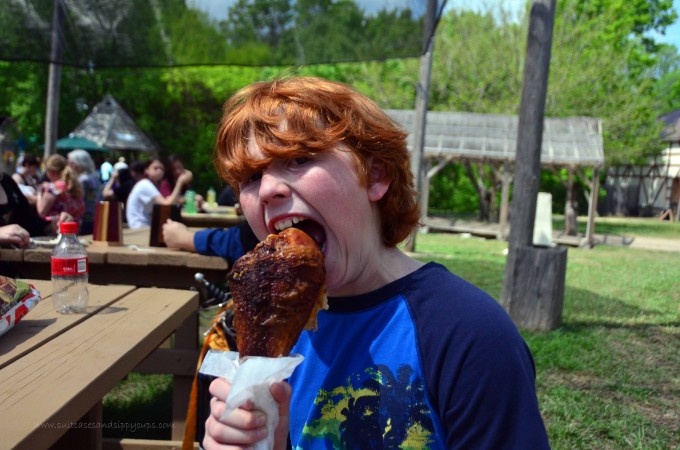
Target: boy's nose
<point x="273" y="187"/>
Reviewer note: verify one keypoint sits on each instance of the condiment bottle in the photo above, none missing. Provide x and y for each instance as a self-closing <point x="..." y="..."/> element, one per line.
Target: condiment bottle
<point x="211" y="198"/>
<point x="190" y="201"/>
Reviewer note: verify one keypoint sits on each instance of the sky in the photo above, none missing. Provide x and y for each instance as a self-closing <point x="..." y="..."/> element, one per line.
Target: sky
<point x="672" y="35"/>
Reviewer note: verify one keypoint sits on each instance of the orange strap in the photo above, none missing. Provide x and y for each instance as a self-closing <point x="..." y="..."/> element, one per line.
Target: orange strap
<point x="215" y="340"/>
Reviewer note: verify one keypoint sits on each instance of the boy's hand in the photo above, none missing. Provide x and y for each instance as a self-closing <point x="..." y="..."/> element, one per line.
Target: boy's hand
<point x="177" y="235"/>
<point x="245" y="425"/>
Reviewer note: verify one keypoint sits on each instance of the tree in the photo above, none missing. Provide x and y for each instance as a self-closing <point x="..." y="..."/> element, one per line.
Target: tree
<point x="596" y="70"/>
<point x="477" y="63"/>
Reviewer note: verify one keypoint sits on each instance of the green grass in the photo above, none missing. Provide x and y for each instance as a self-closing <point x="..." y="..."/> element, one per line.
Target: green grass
<point x="139" y="407"/>
<point x="609" y="376"/>
<point x="627" y="226"/>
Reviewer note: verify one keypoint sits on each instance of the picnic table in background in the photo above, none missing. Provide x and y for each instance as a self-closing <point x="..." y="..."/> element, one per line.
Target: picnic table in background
<point x="133" y="263"/>
<point x="55" y="369"/>
<point x="213" y="217"/>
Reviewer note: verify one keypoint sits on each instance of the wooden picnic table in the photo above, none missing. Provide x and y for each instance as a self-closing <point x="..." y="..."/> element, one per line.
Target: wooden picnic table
<point x="134" y="263"/>
<point x="55" y="369"/>
<point x="217" y="217"/>
<point x="137" y="264"/>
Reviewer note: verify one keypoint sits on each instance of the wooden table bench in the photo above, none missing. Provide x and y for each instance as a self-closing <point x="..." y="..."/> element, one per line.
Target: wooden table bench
<point x="55" y="369"/>
<point x="137" y="264"/>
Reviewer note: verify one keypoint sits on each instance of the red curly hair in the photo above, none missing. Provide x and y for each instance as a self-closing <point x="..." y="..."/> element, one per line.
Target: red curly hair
<point x="319" y="115"/>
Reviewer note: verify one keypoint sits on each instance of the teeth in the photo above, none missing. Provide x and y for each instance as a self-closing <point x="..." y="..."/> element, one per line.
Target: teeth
<point x="289" y="222"/>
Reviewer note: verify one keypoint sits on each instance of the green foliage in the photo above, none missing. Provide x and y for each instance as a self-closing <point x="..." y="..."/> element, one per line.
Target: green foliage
<point x="599" y="68"/>
<point x="602" y="66"/>
<point x="318" y="31"/>
<point x="23" y="87"/>
<point x="206" y="43"/>
<point x="452" y="191"/>
<point x="477" y="63"/>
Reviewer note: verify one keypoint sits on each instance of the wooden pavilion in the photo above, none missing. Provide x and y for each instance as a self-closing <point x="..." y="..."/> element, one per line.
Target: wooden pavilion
<point x="571" y="143"/>
<point x="108" y="125"/>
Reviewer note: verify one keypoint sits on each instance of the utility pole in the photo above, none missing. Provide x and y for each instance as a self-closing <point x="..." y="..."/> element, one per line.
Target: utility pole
<point x="418" y="166"/>
<point x="54" y="80"/>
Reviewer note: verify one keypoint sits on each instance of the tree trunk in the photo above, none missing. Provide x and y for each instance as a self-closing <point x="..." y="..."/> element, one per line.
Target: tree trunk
<point x="482" y="192"/>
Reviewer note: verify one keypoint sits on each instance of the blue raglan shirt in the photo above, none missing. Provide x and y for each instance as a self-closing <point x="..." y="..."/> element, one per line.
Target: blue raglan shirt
<point x="428" y="361"/>
<point x="229" y="243"/>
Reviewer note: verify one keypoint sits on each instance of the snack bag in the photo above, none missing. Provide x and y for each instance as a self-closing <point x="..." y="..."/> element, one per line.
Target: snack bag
<point x="17" y="298"/>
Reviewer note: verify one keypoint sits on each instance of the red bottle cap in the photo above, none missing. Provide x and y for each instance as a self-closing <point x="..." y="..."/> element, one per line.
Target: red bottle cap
<point x="68" y="228"/>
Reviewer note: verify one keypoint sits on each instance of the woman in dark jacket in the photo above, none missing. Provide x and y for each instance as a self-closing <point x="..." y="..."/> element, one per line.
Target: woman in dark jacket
<point x="19" y="220"/>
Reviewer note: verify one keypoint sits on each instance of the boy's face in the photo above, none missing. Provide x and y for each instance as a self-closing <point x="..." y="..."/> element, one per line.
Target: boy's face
<point x="322" y="195"/>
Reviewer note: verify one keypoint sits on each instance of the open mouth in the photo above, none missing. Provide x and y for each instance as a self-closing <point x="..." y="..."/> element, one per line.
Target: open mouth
<point x="312" y="228"/>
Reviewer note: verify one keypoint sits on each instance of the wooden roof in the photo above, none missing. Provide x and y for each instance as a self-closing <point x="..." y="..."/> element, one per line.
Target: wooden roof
<point x="108" y="125"/>
<point x="569" y="141"/>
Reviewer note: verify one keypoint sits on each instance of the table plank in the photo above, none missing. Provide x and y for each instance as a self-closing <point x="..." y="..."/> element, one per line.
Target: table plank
<point x="211" y="220"/>
<point x="44" y="255"/>
<point x="43" y="323"/>
<point x="11" y="254"/>
<point x="56" y="384"/>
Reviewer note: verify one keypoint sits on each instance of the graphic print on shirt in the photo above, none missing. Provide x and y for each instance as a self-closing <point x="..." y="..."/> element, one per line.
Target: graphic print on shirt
<point x="375" y="409"/>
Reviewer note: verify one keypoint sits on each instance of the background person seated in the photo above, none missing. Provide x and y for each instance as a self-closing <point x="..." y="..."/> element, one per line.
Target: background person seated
<point x="121" y="182"/>
<point x="27" y="177"/>
<point x="63" y="193"/>
<point x="81" y="162"/>
<point x="19" y="220"/>
<point x="145" y="194"/>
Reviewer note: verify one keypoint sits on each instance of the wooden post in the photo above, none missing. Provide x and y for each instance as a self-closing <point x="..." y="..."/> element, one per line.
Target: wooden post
<point x="541" y="289"/>
<point x="186" y="338"/>
<point x="54" y="81"/>
<point x="592" y="208"/>
<point x="505" y="198"/>
<point x="525" y="263"/>
<point x="422" y="96"/>
<point x="570" y="219"/>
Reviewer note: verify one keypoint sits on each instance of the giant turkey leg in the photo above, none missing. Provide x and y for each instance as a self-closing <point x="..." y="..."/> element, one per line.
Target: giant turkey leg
<point x="278" y="289"/>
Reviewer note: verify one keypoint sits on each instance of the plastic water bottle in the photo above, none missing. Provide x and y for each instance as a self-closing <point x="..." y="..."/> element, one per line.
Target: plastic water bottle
<point x="190" y="201"/>
<point x="69" y="272"/>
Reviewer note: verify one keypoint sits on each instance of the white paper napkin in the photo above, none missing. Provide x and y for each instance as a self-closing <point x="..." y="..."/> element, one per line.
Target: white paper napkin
<point x="251" y="379"/>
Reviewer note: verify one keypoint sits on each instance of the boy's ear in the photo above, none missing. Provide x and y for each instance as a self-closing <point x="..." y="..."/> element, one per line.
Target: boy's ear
<point x="378" y="182"/>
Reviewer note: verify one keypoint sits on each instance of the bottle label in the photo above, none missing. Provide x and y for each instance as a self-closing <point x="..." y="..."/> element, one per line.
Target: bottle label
<point x="69" y="266"/>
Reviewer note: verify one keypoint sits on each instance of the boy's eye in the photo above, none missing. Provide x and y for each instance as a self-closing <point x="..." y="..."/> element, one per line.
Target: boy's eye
<point x="301" y="160"/>
<point x="252" y="178"/>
